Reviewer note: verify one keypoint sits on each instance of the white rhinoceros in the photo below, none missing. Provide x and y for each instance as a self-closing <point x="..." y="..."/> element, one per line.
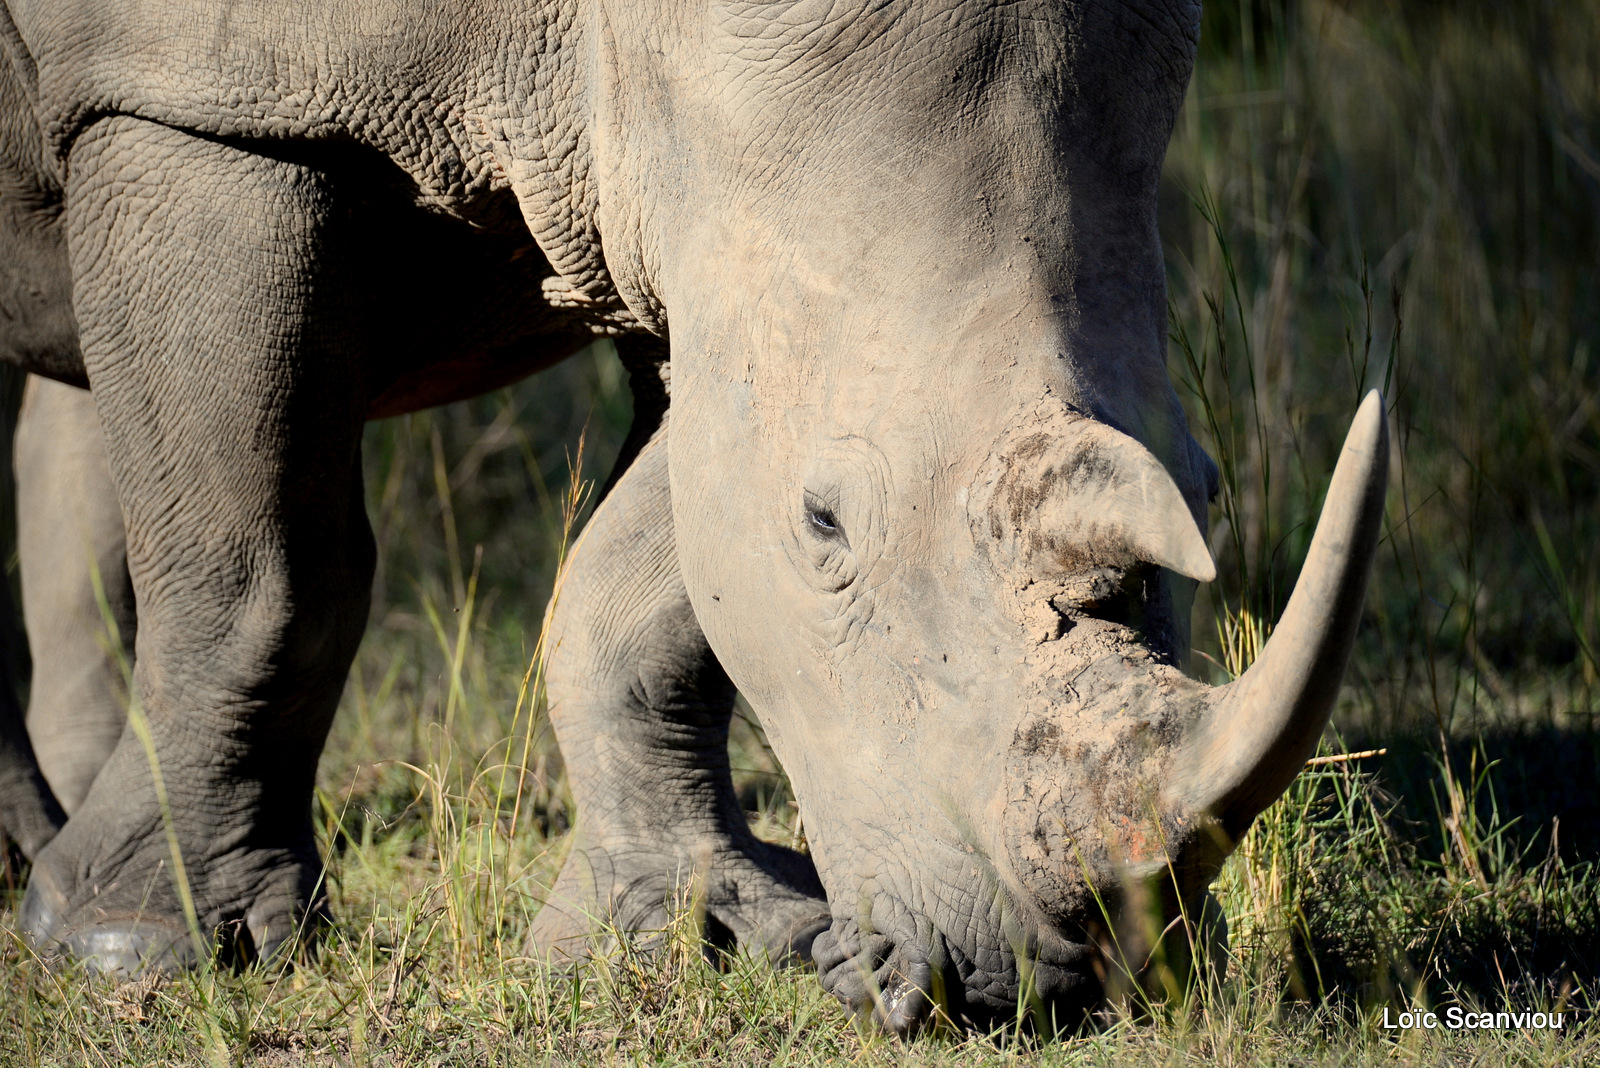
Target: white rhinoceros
<point x="925" y="494"/>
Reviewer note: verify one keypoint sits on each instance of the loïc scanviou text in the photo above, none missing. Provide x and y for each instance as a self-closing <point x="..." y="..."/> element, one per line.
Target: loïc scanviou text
<point x="1456" y="1018"/>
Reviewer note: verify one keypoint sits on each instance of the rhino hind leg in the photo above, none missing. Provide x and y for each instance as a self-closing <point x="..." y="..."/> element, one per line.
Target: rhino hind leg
<point x="641" y="710"/>
<point x="69" y="533"/>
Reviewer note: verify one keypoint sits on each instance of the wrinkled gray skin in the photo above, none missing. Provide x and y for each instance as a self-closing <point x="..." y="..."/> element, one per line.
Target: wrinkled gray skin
<point x="927" y="497"/>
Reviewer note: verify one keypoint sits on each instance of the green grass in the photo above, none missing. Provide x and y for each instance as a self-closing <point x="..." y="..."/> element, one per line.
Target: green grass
<point x="1359" y="194"/>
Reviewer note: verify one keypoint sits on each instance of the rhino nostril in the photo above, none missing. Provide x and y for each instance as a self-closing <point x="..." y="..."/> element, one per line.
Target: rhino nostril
<point x="848" y="964"/>
<point x="904" y="1006"/>
<point x="877" y="979"/>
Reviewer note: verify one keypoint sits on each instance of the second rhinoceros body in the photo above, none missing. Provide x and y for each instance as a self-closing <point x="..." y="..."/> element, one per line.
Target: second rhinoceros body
<point x="909" y="471"/>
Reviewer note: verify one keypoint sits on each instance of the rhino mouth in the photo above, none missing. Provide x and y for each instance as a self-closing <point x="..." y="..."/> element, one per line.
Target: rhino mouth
<point x="912" y="982"/>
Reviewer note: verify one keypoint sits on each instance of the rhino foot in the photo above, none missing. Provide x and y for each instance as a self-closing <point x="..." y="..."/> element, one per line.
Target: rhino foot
<point x="112" y="944"/>
<point x="134" y="921"/>
<point x="764" y="900"/>
<point x="106" y="891"/>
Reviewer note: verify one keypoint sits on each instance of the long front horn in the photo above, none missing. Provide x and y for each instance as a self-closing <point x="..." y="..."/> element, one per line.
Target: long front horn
<point x="1262" y="727"/>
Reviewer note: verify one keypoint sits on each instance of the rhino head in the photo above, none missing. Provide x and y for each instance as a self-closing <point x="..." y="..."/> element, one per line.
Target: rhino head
<point x="937" y="506"/>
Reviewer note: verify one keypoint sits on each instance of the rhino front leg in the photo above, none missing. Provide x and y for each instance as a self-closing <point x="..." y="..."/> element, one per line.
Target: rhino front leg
<point x="69" y="529"/>
<point x="641" y="709"/>
<point x="214" y="298"/>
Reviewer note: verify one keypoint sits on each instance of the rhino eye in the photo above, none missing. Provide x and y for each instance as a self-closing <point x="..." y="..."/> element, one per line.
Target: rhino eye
<point x="822" y="520"/>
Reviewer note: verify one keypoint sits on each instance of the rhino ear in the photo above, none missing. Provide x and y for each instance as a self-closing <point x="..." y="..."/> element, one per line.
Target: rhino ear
<point x="1088" y="494"/>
